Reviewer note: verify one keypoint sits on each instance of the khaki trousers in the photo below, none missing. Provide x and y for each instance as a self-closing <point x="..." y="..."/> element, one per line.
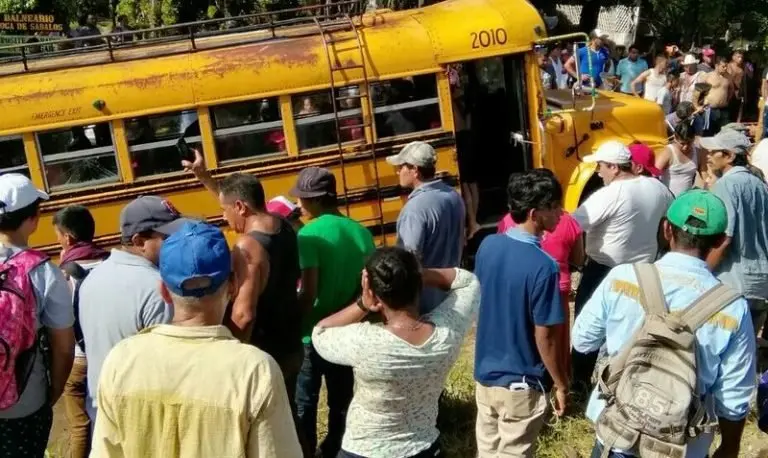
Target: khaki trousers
<point x="74" y="407"/>
<point x="508" y="422"/>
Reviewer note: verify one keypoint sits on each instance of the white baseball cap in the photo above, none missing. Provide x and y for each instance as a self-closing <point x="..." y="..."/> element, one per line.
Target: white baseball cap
<point x="17" y="192"/>
<point x="611" y="152"/>
<point x="690" y="59"/>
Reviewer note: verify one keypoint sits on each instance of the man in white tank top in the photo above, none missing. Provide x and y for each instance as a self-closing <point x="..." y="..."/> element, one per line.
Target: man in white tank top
<point x="621" y="221"/>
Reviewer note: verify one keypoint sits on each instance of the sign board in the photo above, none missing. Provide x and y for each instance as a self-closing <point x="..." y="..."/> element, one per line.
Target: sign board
<point x="29" y="23"/>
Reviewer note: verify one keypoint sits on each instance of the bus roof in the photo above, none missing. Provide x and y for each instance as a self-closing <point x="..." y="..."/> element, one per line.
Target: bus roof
<point x="99" y="85"/>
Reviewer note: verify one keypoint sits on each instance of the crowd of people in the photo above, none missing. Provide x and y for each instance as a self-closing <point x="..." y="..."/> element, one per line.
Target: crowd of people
<point x="173" y="344"/>
<point x="697" y="83"/>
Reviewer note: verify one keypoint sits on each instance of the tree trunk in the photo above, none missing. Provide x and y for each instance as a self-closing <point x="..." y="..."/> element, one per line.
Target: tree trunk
<point x="589" y="15"/>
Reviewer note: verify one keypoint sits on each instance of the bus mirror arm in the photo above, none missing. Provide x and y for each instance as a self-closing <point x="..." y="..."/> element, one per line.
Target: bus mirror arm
<point x="572" y="149"/>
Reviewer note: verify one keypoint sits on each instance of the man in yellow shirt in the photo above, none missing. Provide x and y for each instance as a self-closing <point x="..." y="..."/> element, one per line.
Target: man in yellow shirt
<point x="190" y="389"/>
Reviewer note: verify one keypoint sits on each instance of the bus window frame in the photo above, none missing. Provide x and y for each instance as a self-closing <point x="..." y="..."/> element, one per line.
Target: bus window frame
<point x="247" y="129"/>
<point x="16" y="168"/>
<point x="162" y="143"/>
<point x="436" y="100"/>
<point x="95" y="152"/>
<point x="349" y="113"/>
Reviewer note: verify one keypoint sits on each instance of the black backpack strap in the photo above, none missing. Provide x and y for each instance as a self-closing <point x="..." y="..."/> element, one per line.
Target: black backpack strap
<point x="78" y="274"/>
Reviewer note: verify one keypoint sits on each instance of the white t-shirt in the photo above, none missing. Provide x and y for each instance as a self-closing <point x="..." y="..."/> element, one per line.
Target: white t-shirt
<point x="664" y="98"/>
<point x="621" y="220"/>
<point x="759" y="156"/>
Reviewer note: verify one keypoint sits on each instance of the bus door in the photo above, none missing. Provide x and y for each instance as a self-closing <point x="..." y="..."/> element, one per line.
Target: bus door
<point x="489" y="105"/>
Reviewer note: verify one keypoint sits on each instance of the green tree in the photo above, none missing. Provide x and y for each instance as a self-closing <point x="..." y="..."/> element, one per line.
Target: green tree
<point x="695" y="21"/>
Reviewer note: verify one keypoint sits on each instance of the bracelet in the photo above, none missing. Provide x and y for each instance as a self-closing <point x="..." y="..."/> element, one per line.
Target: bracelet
<point x="362" y="305"/>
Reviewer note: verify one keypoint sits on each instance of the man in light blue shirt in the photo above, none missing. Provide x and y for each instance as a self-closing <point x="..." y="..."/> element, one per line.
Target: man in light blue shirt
<point x="121" y="296"/>
<point x="432" y="222"/>
<point x="725" y="351"/>
<point x="629" y="69"/>
<point x="742" y="263"/>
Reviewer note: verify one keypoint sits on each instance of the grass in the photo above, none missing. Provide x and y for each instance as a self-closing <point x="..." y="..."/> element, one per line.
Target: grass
<point x="457" y="422"/>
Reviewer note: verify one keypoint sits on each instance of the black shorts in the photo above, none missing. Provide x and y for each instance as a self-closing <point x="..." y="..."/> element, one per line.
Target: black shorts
<point x="467" y="156"/>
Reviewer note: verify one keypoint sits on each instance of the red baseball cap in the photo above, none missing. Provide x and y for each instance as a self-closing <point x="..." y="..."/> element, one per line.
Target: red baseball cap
<point x="709" y="52"/>
<point x="642" y="155"/>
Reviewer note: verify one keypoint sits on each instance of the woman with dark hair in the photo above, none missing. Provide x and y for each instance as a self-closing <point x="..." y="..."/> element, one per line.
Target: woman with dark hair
<point x="401" y="363"/>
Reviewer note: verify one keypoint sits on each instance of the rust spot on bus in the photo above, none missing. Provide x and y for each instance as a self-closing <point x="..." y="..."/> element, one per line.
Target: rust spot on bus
<point x="43" y="95"/>
<point x="142" y="83"/>
<point x="257" y="56"/>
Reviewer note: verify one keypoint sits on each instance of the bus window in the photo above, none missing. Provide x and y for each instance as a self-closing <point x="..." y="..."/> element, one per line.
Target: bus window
<point x="248" y="129"/>
<point x="152" y="141"/>
<point x="315" y="123"/>
<point x="13" y="159"/>
<point x="78" y="156"/>
<point x="407" y="105"/>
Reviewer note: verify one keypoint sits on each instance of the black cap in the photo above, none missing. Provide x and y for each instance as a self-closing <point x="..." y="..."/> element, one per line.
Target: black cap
<point x="150" y="213"/>
<point x="314" y="182"/>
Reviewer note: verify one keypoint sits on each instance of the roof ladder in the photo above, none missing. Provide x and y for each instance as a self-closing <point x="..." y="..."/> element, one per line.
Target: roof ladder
<point x="328" y="29"/>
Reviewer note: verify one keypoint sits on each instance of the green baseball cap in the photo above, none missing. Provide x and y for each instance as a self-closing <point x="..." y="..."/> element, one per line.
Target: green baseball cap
<point x="703" y="206"/>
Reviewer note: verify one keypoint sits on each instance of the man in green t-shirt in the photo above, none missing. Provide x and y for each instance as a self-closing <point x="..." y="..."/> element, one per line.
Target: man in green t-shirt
<point x="332" y="252"/>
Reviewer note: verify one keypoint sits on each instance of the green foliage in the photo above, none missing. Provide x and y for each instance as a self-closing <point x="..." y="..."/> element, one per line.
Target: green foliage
<point x="695" y="21"/>
<point x="17" y="6"/>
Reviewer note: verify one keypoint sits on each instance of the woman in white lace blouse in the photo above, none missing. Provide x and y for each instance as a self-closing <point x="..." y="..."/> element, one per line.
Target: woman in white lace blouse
<point x="400" y="365"/>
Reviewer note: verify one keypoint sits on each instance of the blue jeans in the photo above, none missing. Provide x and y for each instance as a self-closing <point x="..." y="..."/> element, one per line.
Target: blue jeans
<point x="339" y="384"/>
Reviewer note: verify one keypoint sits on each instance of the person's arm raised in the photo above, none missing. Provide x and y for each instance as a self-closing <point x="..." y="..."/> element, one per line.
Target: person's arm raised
<point x="200" y="171"/>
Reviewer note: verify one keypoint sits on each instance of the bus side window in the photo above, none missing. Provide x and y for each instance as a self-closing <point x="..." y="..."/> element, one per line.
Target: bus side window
<point x="78" y="156"/>
<point x="315" y="122"/>
<point x="13" y="159"/>
<point x="405" y="106"/>
<point x="152" y="141"/>
<point x="246" y="130"/>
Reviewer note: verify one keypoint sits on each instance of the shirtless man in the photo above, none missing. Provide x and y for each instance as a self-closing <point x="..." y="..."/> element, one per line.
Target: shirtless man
<point x="265" y="312"/>
<point x="738" y="77"/>
<point x="719" y="96"/>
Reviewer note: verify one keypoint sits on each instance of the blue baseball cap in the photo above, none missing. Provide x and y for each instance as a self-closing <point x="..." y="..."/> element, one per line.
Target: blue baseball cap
<point x="195" y="260"/>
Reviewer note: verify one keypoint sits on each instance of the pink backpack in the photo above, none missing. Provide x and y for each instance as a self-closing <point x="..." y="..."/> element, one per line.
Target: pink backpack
<point x="18" y="324"/>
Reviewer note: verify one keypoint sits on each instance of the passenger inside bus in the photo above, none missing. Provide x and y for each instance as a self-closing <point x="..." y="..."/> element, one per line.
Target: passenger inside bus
<point x="493" y="99"/>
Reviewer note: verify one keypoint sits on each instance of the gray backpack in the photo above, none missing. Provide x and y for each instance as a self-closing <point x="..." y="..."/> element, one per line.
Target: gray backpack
<point x="653" y="406"/>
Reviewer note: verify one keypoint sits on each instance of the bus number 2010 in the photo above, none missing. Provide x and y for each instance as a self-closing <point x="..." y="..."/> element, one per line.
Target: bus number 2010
<point x="486" y="38"/>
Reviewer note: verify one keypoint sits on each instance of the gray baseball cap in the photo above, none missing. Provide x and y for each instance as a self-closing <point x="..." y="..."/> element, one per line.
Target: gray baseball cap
<point x="727" y="140"/>
<point x="417" y="153"/>
<point x="150" y="213"/>
<point x="314" y="182"/>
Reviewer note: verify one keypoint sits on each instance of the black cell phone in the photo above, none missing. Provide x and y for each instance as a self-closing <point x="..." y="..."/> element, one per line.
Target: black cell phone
<point x="185" y="151"/>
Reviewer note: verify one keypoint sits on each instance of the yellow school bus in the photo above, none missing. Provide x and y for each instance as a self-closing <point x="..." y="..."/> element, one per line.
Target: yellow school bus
<point x="269" y="94"/>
